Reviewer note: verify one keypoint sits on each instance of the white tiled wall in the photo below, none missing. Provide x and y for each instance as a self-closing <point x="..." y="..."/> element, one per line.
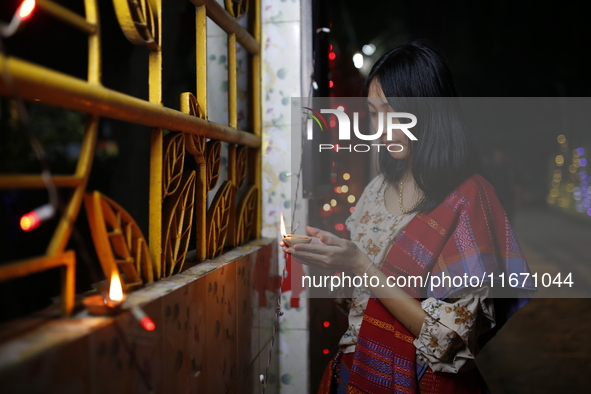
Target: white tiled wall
<point x="282" y="79"/>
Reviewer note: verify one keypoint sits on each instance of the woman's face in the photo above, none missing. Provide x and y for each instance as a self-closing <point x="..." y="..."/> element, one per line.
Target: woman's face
<point x="377" y="103"/>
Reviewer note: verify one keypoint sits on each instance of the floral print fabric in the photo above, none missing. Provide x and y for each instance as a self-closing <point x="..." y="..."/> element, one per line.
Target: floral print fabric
<point x="447" y="339"/>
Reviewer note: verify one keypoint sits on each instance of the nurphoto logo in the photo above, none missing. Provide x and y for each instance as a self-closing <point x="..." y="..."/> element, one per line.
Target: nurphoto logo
<point x="344" y="124"/>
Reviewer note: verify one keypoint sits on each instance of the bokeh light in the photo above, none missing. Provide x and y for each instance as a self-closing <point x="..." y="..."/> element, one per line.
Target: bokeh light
<point x="559" y="160"/>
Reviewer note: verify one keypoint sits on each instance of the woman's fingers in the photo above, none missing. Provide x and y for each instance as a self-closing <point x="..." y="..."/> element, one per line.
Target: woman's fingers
<point x="312" y="230"/>
<point x="316" y="232"/>
<point x="316" y="249"/>
<point x="325" y="254"/>
<point x="305" y="257"/>
<point x="331" y="240"/>
<point x="325" y="237"/>
<point x="315" y="241"/>
<point x="326" y="250"/>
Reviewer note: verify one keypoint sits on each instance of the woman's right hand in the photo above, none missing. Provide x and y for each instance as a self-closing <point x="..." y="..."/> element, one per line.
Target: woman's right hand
<point x="289" y="250"/>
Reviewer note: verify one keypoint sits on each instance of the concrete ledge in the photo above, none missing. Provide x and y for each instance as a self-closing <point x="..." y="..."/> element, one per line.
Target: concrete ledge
<point x="212" y="323"/>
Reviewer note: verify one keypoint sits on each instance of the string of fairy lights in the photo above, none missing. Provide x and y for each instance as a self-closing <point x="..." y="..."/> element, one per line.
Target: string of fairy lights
<point x="570" y="185"/>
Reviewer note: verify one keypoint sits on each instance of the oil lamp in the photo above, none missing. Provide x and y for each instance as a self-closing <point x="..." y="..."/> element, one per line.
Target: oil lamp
<point x="292" y="239"/>
<point x="109" y="305"/>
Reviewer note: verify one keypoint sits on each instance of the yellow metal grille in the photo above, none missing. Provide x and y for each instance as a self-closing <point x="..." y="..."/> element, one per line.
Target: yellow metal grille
<point x="178" y="198"/>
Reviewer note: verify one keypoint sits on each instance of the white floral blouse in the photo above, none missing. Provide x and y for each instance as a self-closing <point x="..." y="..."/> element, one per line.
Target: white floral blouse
<point x="448" y="336"/>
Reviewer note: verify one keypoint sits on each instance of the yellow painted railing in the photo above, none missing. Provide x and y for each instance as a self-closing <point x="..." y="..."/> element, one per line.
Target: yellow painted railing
<point x="178" y="197"/>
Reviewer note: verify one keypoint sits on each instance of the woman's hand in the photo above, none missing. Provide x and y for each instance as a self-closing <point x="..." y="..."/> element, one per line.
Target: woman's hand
<point x="329" y="252"/>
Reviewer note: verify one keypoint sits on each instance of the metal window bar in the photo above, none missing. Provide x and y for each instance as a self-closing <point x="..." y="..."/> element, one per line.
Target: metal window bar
<point x="178" y="199"/>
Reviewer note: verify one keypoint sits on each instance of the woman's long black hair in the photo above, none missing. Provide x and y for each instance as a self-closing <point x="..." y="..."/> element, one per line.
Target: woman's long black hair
<point x="443" y="156"/>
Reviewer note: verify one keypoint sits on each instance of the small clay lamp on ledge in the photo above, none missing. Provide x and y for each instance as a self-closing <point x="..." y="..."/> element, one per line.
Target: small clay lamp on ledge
<point x="100" y="305"/>
<point x="292" y="239"/>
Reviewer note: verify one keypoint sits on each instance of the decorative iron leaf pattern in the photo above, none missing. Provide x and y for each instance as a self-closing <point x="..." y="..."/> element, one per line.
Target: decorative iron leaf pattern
<point x="195" y="143"/>
<point x="241" y="166"/>
<point x="214" y="161"/>
<point x="218" y="219"/>
<point x="247" y="216"/>
<point x="138" y="22"/>
<point x="177" y="225"/>
<point x="118" y="240"/>
<point x="173" y="163"/>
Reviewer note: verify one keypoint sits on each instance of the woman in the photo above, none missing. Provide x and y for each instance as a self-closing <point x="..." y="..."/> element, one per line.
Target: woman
<point x="427" y="214"/>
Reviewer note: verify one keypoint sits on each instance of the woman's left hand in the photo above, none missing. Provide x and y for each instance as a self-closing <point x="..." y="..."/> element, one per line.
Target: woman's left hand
<point x="330" y="253"/>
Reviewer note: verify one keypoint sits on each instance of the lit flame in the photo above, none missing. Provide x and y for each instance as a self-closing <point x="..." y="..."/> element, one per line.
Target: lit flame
<point x="283" y="232"/>
<point x="26" y="9"/>
<point x="115" y="291"/>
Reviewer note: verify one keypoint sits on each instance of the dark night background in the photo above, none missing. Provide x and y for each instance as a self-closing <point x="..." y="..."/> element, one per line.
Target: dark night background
<point x="495" y="48"/>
